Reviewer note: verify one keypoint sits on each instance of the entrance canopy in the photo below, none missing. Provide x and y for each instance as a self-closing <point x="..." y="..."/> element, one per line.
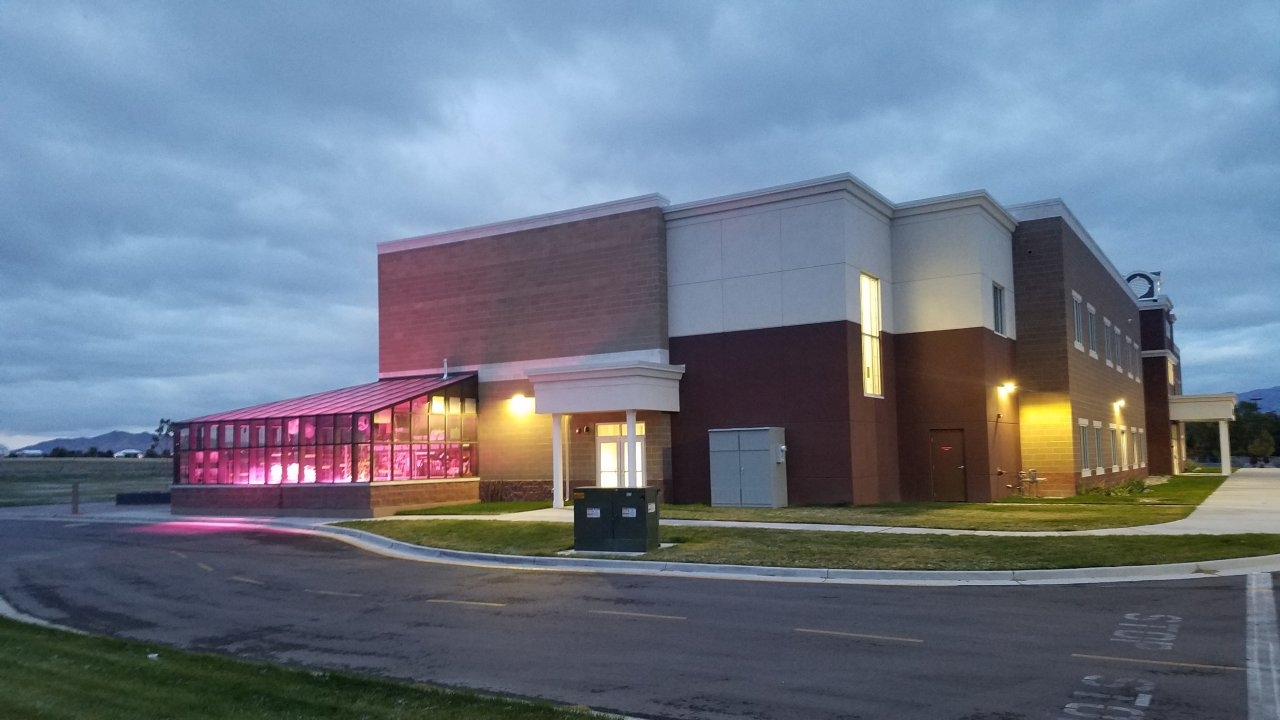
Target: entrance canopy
<point x="603" y="388"/>
<point x="1206" y="408"/>
<point x="1202" y="408"/>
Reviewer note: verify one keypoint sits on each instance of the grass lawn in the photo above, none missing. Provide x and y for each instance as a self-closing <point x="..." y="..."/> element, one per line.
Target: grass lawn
<point x="1179" y="490"/>
<point x="872" y="551"/>
<point x="53" y="675"/>
<point x="47" y="481"/>
<point x="481" y="508"/>
<point x="1170" y="501"/>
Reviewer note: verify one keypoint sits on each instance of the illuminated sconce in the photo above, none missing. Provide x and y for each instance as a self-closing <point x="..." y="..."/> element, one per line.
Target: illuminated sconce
<point x="521" y="404"/>
<point x="1006" y="388"/>
<point x="1118" y="404"/>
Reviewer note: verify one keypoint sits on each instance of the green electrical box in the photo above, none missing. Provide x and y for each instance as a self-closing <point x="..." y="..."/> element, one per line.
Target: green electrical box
<point x="609" y="519"/>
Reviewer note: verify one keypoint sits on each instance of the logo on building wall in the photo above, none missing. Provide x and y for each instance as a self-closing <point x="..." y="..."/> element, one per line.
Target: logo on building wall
<point x="1146" y="285"/>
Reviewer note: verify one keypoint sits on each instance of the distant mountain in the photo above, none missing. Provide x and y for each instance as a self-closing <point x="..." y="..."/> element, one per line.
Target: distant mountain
<point x="116" y="440"/>
<point x="1268" y="399"/>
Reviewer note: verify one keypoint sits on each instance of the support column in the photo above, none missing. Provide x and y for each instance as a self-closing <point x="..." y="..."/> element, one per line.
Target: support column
<point x="631" y="449"/>
<point x="557" y="462"/>
<point x="1224" y="447"/>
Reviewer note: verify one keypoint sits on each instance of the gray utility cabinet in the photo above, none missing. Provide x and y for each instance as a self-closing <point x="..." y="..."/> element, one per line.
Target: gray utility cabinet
<point x="748" y="467"/>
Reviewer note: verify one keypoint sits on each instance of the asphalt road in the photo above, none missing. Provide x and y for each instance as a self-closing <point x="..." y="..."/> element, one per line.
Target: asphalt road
<point x="649" y="646"/>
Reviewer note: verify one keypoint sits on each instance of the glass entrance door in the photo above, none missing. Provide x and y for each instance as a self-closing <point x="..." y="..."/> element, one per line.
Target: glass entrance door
<point x="611" y="454"/>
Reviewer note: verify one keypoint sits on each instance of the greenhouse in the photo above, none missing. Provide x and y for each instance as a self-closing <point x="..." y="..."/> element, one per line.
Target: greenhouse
<point x="418" y="430"/>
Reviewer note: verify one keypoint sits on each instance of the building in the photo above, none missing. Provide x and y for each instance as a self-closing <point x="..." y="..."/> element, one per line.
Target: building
<point x="935" y="349"/>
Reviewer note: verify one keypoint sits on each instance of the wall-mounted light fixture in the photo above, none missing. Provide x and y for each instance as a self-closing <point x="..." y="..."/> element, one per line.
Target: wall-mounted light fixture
<point x="1118" y="404"/>
<point x="520" y="404"/>
<point x="1006" y="388"/>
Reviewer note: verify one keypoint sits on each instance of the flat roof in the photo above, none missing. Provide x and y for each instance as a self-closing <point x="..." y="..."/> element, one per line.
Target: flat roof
<point x="356" y="399"/>
<point x="613" y="207"/>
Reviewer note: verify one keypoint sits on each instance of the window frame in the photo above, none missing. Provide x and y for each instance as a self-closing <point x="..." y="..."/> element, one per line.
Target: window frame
<point x="1085" y="469"/>
<point x="1093" y="331"/>
<point x="871" y="320"/>
<point x="998" y="320"/>
<point x="1077" y="307"/>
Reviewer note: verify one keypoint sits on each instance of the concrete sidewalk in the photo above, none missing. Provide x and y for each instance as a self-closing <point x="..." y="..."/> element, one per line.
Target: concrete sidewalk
<point x="1247" y="502"/>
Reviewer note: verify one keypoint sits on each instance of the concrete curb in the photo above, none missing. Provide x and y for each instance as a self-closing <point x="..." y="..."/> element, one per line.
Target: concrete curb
<point x="945" y="578"/>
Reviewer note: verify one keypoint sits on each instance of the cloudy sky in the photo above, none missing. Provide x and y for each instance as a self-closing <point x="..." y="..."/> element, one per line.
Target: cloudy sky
<point x="191" y="193"/>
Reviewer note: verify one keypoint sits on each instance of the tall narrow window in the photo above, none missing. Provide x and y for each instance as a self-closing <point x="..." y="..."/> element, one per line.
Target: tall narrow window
<point x="1077" y="308"/>
<point x="1085" y="467"/>
<point x="1106" y="340"/>
<point x="869" y="288"/>
<point x="1097" y="445"/>
<point x="1093" y="332"/>
<point x="997" y="306"/>
<point x="1115" y="450"/>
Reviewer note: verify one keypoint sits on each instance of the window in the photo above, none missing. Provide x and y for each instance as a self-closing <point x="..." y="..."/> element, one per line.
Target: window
<point x="1106" y="341"/>
<point x="1115" y="450"/>
<point x="1085" y="467"/>
<point x="1097" y="445"/>
<point x="1078" y="309"/>
<point x="997" y="306"/>
<point x="872" y="382"/>
<point x="1093" y="332"/>
<point x="1119" y="355"/>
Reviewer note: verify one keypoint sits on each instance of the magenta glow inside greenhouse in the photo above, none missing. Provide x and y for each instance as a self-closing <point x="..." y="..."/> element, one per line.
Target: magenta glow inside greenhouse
<point x="417" y="428"/>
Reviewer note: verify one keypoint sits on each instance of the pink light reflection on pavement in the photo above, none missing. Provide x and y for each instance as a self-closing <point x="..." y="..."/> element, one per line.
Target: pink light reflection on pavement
<point x="206" y="527"/>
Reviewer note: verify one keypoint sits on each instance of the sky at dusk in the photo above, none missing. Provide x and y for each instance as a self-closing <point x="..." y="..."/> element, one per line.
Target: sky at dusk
<point x="191" y="193"/>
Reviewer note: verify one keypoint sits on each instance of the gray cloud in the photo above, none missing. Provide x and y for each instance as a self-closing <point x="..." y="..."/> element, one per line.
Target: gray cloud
<point x="190" y="193"/>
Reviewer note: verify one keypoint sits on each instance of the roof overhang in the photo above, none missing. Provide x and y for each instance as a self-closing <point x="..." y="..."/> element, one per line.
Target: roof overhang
<point x="1202" y="408"/>
<point x="606" y="388"/>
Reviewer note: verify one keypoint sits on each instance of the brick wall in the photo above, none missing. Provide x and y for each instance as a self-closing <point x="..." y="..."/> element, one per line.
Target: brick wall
<point x="348" y="500"/>
<point x="513" y="446"/>
<point x="948" y="380"/>
<point x="1159" y="426"/>
<point x="841" y="446"/>
<point x="1059" y="383"/>
<point x="579" y="288"/>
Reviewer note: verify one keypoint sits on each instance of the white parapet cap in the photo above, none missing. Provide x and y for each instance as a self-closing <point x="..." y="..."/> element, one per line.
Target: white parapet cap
<point x="611" y="370"/>
<point x="1055" y="207"/>
<point x="980" y="199"/>
<point x="842" y="183"/>
<point x="614" y="207"/>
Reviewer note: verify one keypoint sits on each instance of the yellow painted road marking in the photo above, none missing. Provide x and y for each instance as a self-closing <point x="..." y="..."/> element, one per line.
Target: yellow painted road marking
<point x="204" y="567"/>
<point x="1167" y="663"/>
<point x="860" y="636"/>
<point x="251" y="581"/>
<point x="466" y="602"/>
<point x="331" y="592"/>
<point x="635" y="614"/>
